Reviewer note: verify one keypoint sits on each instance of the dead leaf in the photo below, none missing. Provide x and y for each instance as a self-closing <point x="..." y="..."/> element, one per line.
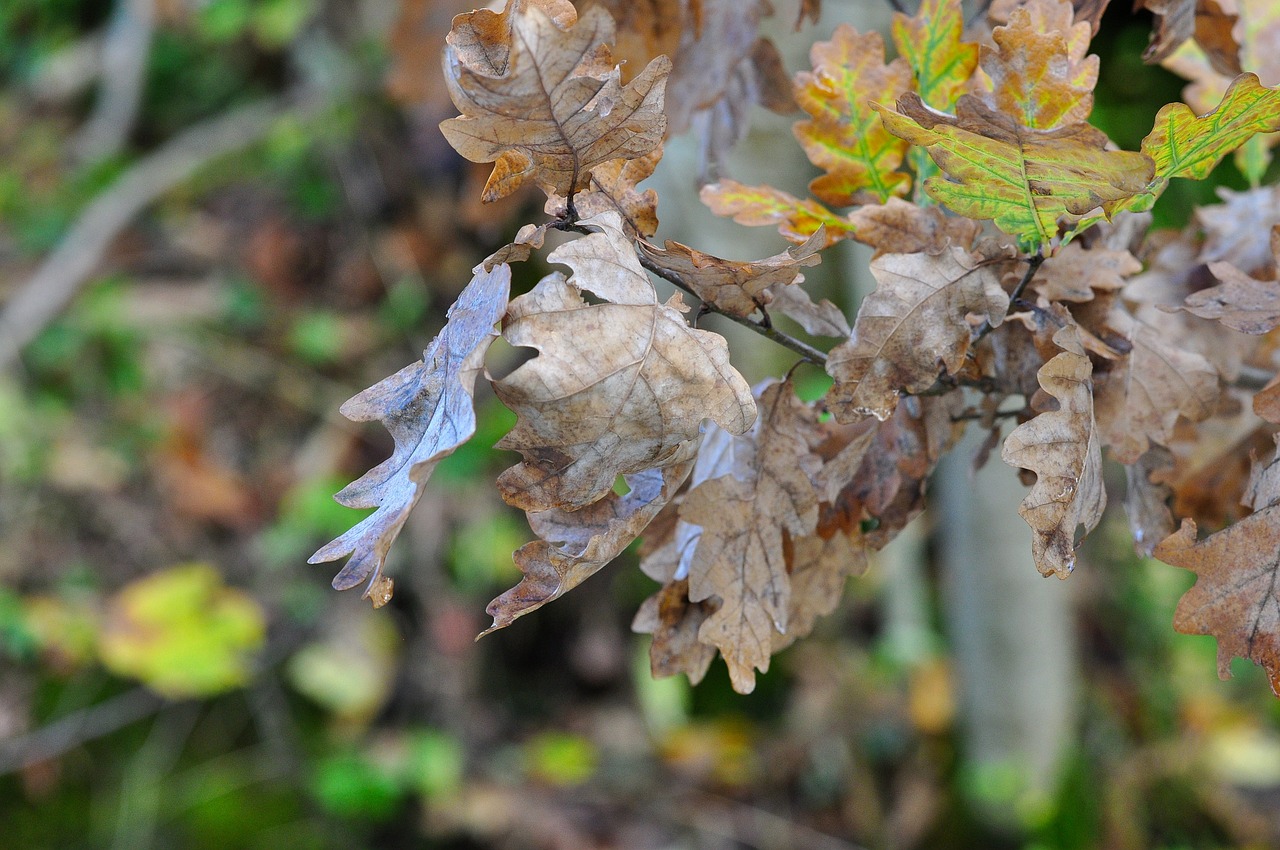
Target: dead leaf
<point x="589" y="412"/>
<point x="1240" y="302"/>
<point x="1077" y="274"/>
<point x="1266" y="402"/>
<point x="914" y="326"/>
<point x="1062" y="448"/>
<point x="901" y="227"/>
<point x="744" y="520"/>
<point x="820" y="319"/>
<point x="613" y="189"/>
<point x="819" y="569"/>
<point x="1175" y="23"/>
<point x="732" y="287"/>
<point x="1139" y="397"/>
<point x="763" y="206"/>
<point x="555" y="108"/>
<point x="674" y="622"/>
<point x="1147" y="498"/>
<point x="576" y="544"/>
<point x="1263" y="489"/>
<point x="528" y="238"/>
<point x="429" y="410"/>
<point x="1234" y="597"/>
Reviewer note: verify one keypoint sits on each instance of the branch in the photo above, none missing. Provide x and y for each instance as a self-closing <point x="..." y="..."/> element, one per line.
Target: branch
<point x="1033" y="265"/>
<point x="69" y="266"/>
<point x="123" y="74"/>
<point x="75" y="729"/>
<point x="765" y="329"/>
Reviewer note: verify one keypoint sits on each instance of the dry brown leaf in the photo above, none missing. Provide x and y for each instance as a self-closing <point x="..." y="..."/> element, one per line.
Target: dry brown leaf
<point x="529" y="238"/>
<point x="429" y="410"/>
<point x="915" y="325"/>
<point x="901" y="227"/>
<point x="1139" y="397"/>
<point x="482" y="39"/>
<point x="555" y="108"/>
<point x="819" y="569"/>
<point x="820" y="319"/>
<point x="1062" y="448"/>
<point x="613" y="189"/>
<point x="1038" y="72"/>
<point x="1077" y="274"/>
<point x="1266" y="402"/>
<point x="1263" y="489"/>
<point x="1235" y="595"/>
<point x="1240" y="302"/>
<point x="648" y="28"/>
<point x="739" y="558"/>
<point x="733" y="287"/>
<point x="674" y="622"/>
<point x="1238" y="230"/>
<point x="1175" y="23"/>
<point x="1147" y="498"/>
<point x="576" y="544"/>
<point x="589" y="412"/>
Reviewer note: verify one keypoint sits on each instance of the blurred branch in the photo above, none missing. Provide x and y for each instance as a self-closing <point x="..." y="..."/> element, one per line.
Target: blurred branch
<point x="75" y="729"/>
<point x="122" y="77"/>
<point x="67" y="268"/>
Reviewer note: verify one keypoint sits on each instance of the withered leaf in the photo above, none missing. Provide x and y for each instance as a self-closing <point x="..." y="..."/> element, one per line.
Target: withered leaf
<point x="1263" y="489"/>
<point x="1147" y="498"/>
<point x="588" y="412"/>
<point x="1175" y="23"/>
<point x="674" y="622"/>
<point x="1240" y="302"/>
<point x="734" y="287"/>
<point x="613" y="189"/>
<point x="819" y="569"/>
<point x="482" y="39"/>
<point x="1038" y="72"/>
<point x="1062" y="448"/>
<point x="556" y="108"/>
<point x="820" y="319"/>
<point x="900" y="227"/>
<point x="1235" y="596"/>
<point x="740" y="556"/>
<point x="576" y="544"/>
<point x="1021" y="178"/>
<point x="429" y="410"/>
<point x="1078" y="274"/>
<point x="912" y="327"/>
<point x="1138" y="399"/>
<point x="843" y="135"/>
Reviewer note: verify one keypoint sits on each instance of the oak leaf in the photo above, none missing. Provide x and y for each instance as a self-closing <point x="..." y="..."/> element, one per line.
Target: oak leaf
<point x="734" y="287"/>
<point x="575" y="545"/>
<point x="900" y="227"/>
<point x="613" y="189"/>
<point x="1175" y="23"/>
<point x="740" y="556"/>
<point x="1023" y="179"/>
<point x="1038" y="71"/>
<point x="818" y="571"/>
<point x="429" y="410"/>
<point x="844" y="135"/>
<point x="764" y="206"/>
<point x="674" y="622"/>
<point x="1235" y="595"/>
<point x="821" y="318"/>
<point x="1240" y="302"/>
<point x="588" y="412"/>
<point x="915" y="325"/>
<point x="1147" y="497"/>
<point x="556" y="108"/>
<point x="1139" y="398"/>
<point x="1062" y="448"/>
<point x="1079" y="274"/>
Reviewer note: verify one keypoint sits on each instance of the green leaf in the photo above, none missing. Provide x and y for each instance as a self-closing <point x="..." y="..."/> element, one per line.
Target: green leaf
<point x="1022" y="179"/>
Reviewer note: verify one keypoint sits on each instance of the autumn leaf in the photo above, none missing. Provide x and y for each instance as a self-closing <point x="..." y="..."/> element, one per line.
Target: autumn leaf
<point x="1038" y="72"/>
<point x="1062" y="448"/>
<point x="732" y="287"/>
<point x="1240" y="302"/>
<point x="674" y="622"/>
<point x="1138" y="398"/>
<point x="819" y="569"/>
<point x="575" y="545"/>
<point x="740" y="556"/>
<point x="764" y="206"/>
<point x="555" y="109"/>
<point x="589" y="412"/>
<point x="429" y="410"/>
<point x="912" y="327"/>
<point x="613" y="189"/>
<point x="1175" y="23"/>
<point x="821" y="318"/>
<point x="1079" y="274"/>
<point x="844" y="135"/>
<point x="1235" y="595"/>
<point x="1147" y="498"/>
<point x="899" y="227"/>
<point x="1021" y="178"/>
<point x="931" y="44"/>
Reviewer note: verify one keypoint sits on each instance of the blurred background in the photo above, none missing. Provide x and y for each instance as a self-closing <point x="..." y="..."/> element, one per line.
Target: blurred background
<point x="221" y="218"/>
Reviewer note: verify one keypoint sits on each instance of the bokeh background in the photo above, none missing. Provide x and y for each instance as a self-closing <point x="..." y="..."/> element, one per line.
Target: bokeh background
<point x="222" y="218"/>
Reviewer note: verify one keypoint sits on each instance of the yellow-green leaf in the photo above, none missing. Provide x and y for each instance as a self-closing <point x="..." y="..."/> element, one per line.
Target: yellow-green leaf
<point x="765" y="206"/>
<point x="1023" y="179"/>
<point x="844" y="136"/>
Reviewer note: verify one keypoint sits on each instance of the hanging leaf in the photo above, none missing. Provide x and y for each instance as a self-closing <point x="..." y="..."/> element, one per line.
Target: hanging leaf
<point x="1240" y="302"/>
<point x="555" y="108"/>
<point x="429" y="410"/>
<point x="764" y="206"/>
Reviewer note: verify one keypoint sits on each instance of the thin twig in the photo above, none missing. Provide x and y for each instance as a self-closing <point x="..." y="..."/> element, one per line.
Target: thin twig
<point x="1033" y="265"/>
<point x="123" y="74"/>
<point x="81" y="727"/>
<point x="808" y="352"/>
<point x="976" y="415"/>
<point x="70" y="265"/>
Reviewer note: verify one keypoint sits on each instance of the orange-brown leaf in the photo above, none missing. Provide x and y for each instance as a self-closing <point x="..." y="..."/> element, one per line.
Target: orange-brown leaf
<point x="764" y="206"/>
<point x="900" y="227"/>
<point x="1077" y="274"/>
<point x="1240" y="302"/>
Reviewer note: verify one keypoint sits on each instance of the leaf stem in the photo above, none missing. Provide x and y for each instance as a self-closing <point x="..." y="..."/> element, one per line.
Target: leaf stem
<point x="1033" y="265"/>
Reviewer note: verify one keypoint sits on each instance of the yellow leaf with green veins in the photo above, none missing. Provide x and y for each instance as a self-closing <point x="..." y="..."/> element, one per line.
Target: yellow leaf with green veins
<point x="941" y="62"/>
<point x="844" y="137"/>
<point x="1023" y="179"/>
<point x="764" y="206"/>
